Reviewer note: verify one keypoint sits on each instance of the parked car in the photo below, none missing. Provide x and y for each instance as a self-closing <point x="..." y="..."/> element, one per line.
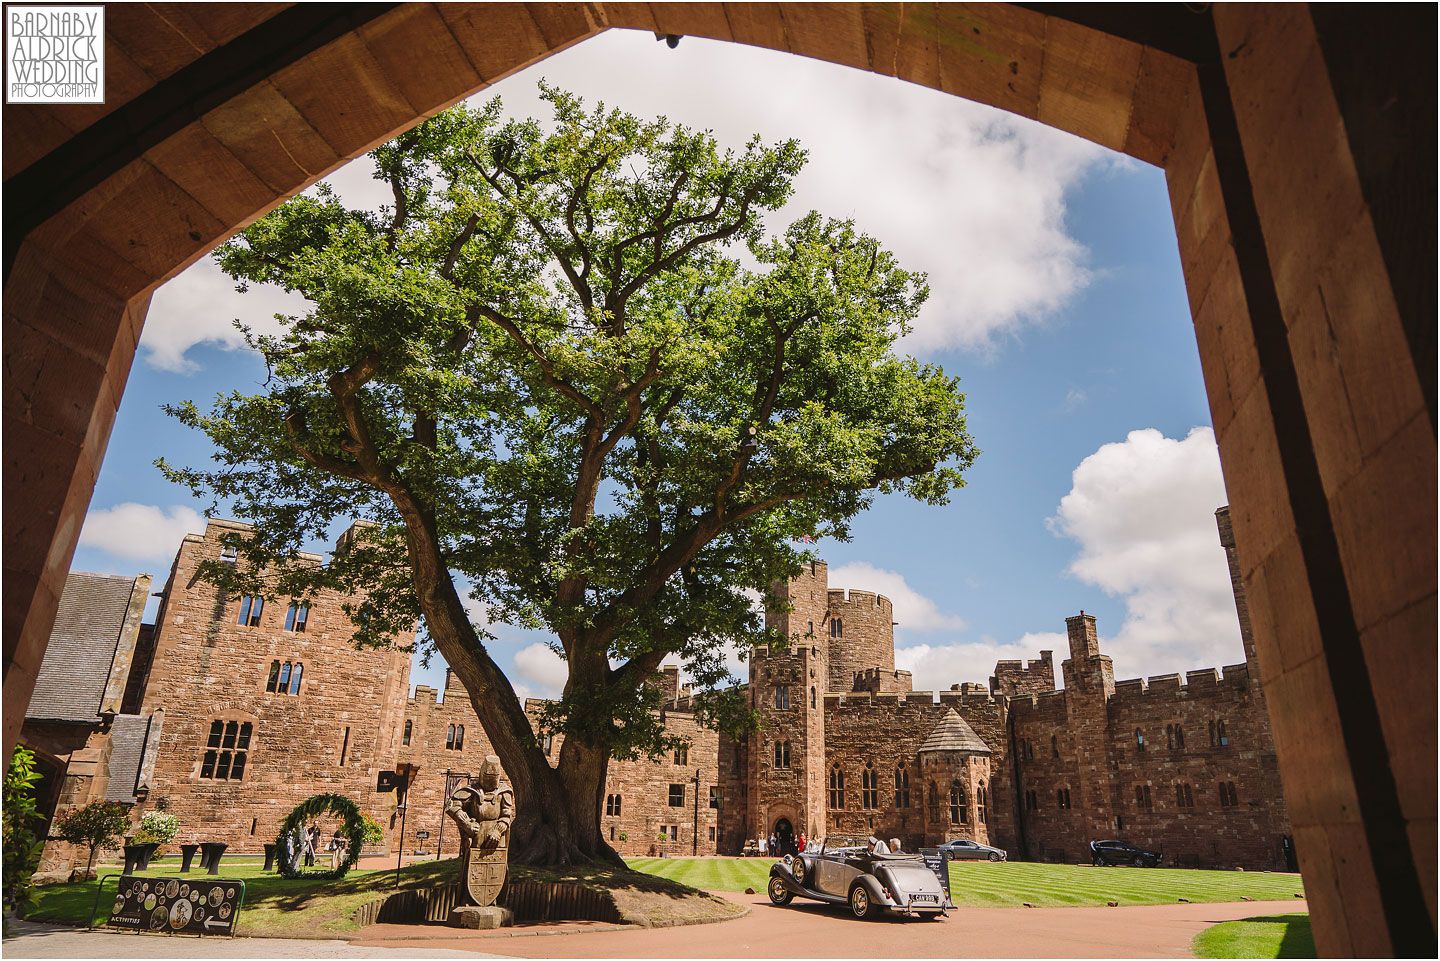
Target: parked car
<point x="962" y="850"/>
<point x="842" y="871"/>
<point x="1123" y="852"/>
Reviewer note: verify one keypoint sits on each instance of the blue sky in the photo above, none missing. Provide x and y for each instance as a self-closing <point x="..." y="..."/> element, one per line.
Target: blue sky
<point x="1057" y="297"/>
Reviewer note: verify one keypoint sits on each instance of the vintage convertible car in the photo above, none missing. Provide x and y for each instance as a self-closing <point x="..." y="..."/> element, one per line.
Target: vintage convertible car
<point x="842" y="871"/>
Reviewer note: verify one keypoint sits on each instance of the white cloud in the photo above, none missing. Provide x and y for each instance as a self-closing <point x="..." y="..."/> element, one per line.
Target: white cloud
<point x="1143" y="513"/>
<point x="200" y="306"/>
<point x="539" y="671"/>
<point x="140" y="532"/>
<point x="937" y="667"/>
<point x="913" y="610"/>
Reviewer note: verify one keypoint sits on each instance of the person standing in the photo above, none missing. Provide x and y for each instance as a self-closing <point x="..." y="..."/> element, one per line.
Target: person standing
<point x="307" y="844"/>
<point x="761" y="842"/>
<point x="800" y="842"/>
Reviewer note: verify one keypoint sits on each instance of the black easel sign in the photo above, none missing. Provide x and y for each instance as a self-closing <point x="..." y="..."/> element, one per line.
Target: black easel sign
<point x="937" y="861"/>
<point x="177" y="905"/>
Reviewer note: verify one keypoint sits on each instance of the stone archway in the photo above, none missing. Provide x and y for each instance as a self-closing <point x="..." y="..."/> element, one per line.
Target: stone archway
<point x="1294" y="194"/>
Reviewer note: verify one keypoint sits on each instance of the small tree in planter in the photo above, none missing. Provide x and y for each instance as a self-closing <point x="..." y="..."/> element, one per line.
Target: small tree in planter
<point x="97" y="825"/>
<point x="374" y="833"/>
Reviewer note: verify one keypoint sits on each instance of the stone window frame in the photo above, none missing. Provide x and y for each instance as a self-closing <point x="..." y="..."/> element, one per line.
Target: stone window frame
<point x="252" y="606"/>
<point x="717" y="798"/>
<point x="1174" y="737"/>
<point x="682" y="755"/>
<point x="1218" y="735"/>
<point x="1143" y="800"/>
<point x="1184" y="795"/>
<point x="1228" y="797"/>
<point x="229" y="738"/>
<point x="902" y="787"/>
<point x="613" y="805"/>
<point x="455" y="737"/>
<point x="837" y="787"/>
<point x="405" y="737"/>
<point x="1032" y="801"/>
<point x="296" y="617"/>
<point x="1139" y="741"/>
<point x="981" y="802"/>
<point x="677" y="795"/>
<point x="1054" y="746"/>
<point x="1062" y="799"/>
<point x="869" y="787"/>
<point x="934" y="804"/>
<point x="547" y="743"/>
<point x="812" y="695"/>
<point x="837" y="627"/>
<point x="285" y="677"/>
<point x="782" y="755"/>
<point x="959" y="803"/>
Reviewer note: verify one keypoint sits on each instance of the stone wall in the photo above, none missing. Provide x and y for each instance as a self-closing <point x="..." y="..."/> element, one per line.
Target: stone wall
<point x="334" y="735"/>
<point x="863" y="636"/>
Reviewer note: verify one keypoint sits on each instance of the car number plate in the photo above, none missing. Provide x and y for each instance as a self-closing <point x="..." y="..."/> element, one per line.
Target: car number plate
<point x="931" y="898"/>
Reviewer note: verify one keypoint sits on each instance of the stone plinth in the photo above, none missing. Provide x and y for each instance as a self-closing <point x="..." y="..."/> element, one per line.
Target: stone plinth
<point x="474" y="916"/>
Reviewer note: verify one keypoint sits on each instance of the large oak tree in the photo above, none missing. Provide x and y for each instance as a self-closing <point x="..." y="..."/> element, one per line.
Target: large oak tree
<point x="570" y="374"/>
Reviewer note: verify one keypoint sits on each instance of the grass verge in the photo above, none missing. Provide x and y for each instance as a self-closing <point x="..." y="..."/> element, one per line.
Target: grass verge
<point x="279" y="908"/>
<point x="1010" y="884"/>
<point x="1272" y="936"/>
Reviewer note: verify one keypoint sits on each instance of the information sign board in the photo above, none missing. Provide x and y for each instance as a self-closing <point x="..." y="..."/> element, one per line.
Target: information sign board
<point x="938" y="861"/>
<point x="192" y="906"/>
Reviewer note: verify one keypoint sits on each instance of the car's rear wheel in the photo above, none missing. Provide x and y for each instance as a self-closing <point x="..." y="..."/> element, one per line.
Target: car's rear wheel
<point x="1139" y="861"/>
<point x="779" y="893"/>
<point x="994" y="855"/>
<point x="860" y="903"/>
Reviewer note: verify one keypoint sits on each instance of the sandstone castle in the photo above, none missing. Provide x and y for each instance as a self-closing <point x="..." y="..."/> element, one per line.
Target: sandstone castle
<point x="235" y="710"/>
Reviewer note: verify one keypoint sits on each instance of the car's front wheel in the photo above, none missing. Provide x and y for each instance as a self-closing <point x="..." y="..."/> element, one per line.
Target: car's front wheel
<point x="860" y="903"/>
<point x="994" y="855"/>
<point x="779" y="893"/>
<point x="1139" y="861"/>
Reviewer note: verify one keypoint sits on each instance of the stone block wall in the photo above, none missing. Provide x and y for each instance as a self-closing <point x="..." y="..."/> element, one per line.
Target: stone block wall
<point x="334" y="735"/>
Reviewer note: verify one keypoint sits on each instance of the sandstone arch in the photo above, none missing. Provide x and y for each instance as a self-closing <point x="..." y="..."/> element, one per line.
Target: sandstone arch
<point x="1294" y="182"/>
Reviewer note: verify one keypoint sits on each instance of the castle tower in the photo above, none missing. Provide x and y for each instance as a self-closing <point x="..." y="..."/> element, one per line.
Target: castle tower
<point x="1089" y="682"/>
<point x="860" y="631"/>
<point x="955" y="782"/>
<point x="787" y="754"/>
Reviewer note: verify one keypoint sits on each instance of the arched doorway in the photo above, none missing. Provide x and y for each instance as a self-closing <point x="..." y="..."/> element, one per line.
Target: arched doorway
<point x="1319" y="369"/>
<point x="784" y="837"/>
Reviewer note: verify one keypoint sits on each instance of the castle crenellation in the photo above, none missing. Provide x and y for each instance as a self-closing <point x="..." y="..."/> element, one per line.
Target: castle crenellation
<point x="846" y="746"/>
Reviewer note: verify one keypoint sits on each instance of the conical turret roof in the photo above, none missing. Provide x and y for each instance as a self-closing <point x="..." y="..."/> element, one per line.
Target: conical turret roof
<point x="953" y="734"/>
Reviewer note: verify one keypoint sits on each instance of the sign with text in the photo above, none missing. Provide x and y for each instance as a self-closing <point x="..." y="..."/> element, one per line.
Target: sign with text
<point x="939" y="862"/>
<point x="54" y="53"/>
<point x="174" y="904"/>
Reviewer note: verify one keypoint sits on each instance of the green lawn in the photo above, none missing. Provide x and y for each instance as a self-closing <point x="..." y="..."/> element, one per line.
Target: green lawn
<point x="1009" y="884"/>
<point x="1273" y="936"/>
<point x="277" y="906"/>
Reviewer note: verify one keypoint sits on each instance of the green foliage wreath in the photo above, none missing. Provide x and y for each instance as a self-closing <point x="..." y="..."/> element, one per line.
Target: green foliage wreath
<point x="317" y="806"/>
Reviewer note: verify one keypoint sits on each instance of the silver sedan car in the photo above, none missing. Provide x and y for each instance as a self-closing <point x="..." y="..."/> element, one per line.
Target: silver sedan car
<point x="963" y="850"/>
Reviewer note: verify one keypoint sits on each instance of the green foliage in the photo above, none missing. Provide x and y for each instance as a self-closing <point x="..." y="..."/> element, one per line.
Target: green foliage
<point x="549" y="373"/>
<point x="374" y="833"/>
<point x="157" y="827"/>
<point x="21" y="847"/>
<point x="299" y="819"/>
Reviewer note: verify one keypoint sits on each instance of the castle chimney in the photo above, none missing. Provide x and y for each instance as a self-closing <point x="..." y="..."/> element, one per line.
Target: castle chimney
<point x="1084" y="643"/>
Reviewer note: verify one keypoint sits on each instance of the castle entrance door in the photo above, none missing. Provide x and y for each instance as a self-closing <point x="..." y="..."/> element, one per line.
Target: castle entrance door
<point x="784" y="837"/>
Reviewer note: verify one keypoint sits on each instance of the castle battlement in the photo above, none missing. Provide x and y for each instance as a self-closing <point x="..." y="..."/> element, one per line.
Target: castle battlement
<point x="1234" y="677"/>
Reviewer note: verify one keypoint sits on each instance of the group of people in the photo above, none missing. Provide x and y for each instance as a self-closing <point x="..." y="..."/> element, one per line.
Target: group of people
<point x="306" y="842"/>
<point x="780" y="845"/>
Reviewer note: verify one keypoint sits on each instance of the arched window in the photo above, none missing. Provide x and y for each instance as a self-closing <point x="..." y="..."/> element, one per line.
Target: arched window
<point x="270" y="684"/>
<point x="782" y="697"/>
<point x="405" y="738"/>
<point x="958" y="814"/>
<point x="869" y="787"/>
<point x="902" y="787"/>
<point x="1220" y="734"/>
<point x="450" y="738"/>
<point x="459" y="736"/>
<point x="1179" y="738"/>
<point x="1212" y="733"/>
<point x="295" y="678"/>
<point x="284" y="684"/>
<point x="1054" y="746"/>
<point x="1170" y="737"/>
<point x="837" y="627"/>
<point x="782" y="754"/>
<point x="837" y="787"/>
<point x="812" y="697"/>
<point x="980" y="801"/>
<point x="1139" y="741"/>
<point x="934" y="803"/>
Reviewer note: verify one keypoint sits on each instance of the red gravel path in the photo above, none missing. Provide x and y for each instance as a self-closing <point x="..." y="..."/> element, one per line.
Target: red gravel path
<point x="813" y="930"/>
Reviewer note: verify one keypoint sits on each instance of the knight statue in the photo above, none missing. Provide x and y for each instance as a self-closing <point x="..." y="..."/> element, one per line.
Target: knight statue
<point x="483" y="811"/>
